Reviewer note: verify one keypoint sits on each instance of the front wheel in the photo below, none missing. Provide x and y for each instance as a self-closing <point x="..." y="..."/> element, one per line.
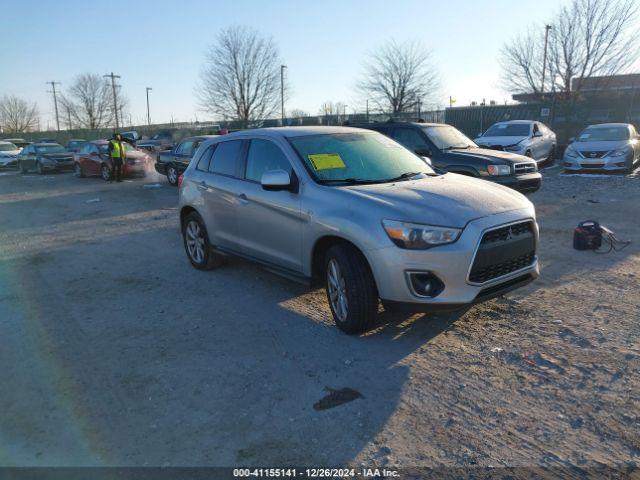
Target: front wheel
<point x="351" y="289"/>
<point x="196" y="243"/>
<point x="172" y="175"/>
<point x="39" y="168"/>
<point x="105" y="172"/>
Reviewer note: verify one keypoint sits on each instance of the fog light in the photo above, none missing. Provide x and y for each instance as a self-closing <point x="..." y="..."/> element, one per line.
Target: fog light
<point x="568" y="164"/>
<point x="425" y="284"/>
<point x="620" y="164"/>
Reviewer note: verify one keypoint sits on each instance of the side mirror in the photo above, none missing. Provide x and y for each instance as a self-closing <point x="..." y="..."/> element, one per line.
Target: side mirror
<point x="276" y="180"/>
<point x="427" y="160"/>
<point x="537" y="134"/>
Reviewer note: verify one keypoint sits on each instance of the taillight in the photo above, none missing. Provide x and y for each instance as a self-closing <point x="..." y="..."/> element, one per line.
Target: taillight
<point x="180" y="180"/>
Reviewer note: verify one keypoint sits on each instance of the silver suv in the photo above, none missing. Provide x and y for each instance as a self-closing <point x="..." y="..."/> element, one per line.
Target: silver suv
<point x="358" y="211"/>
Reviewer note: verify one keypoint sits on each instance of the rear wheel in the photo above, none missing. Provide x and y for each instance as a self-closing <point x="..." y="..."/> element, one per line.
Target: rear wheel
<point x="22" y="168"/>
<point x="105" y="172"/>
<point x="77" y="170"/>
<point x="172" y="175"/>
<point x="196" y="243"/>
<point x="351" y="289"/>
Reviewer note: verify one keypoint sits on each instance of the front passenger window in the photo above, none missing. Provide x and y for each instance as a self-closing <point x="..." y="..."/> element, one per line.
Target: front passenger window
<point x="264" y="156"/>
<point x="410" y="139"/>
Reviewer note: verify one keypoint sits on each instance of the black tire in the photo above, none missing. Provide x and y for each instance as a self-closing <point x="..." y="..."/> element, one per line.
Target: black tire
<point x="105" y="172"/>
<point x="552" y="154"/>
<point x="359" y="289"/>
<point x="208" y="259"/>
<point x="172" y="175"/>
<point x="22" y="168"/>
<point x="39" y="169"/>
<point x="77" y="170"/>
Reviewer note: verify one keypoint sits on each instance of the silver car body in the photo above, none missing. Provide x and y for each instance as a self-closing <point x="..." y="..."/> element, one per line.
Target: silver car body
<point x="539" y="143"/>
<point x="282" y="229"/>
<point x="8" y="154"/>
<point x="617" y="155"/>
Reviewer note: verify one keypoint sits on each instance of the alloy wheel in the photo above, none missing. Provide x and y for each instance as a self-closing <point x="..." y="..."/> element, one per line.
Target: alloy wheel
<point x="172" y="175"/>
<point x="77" y="170"/>
<point x="106" y="174"/>
<point x="194" y="237"/>
<point x="337" y="290"/>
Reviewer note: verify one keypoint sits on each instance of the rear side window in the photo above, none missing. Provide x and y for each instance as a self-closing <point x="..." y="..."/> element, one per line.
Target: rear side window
<point x="225" y="158"/>
<point x="263" y="156"/>
<point x="205" y="159"/>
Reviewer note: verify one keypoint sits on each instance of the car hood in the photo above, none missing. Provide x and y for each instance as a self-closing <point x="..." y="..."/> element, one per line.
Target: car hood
<point x="450" y="200"/>
<point x="490" y="155"/>
<point x="9" y="153"/>
<point x="599" y="146"/>
<point x="503" y="141"/>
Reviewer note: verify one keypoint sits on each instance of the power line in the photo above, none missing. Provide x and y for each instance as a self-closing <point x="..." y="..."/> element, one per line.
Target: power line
<point x="113" y="77"/>
<point x="55" y="100"/>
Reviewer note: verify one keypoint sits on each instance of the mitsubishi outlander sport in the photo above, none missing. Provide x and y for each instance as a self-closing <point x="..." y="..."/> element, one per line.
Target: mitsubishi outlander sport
<point x="359" y="212"/>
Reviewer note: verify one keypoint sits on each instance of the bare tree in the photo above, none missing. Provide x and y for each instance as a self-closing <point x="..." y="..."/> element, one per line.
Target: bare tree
<point x="331" y="108"/>
<point x="88" y="103"/>
<point x="398" y="77"/>
<point x="297" y="113"/>
<point x="241" y="76"/>
<point x="589" y="38"/>
<point x="17" y="115"/>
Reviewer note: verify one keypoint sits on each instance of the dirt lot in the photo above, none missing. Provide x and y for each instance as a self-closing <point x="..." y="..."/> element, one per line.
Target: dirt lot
<point x="114" y="351"/>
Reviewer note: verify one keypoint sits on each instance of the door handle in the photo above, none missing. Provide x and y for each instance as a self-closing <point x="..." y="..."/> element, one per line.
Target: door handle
<point x="202" y="186"/>
<point x="243" y="198"/>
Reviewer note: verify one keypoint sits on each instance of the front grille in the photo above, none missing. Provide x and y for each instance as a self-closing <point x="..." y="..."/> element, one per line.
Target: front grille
<point x="592" y="165"/>
<point x="528" y="167"/>
<point x="496" y="147"/>
<point x="504" y="250"/>
<point x="594" y="154"/>
<point x="65" y="159"/>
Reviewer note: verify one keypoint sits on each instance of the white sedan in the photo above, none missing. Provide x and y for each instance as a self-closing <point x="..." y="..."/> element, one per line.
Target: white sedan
<point x="8" y="155"/>
<point x="525" y="137"/>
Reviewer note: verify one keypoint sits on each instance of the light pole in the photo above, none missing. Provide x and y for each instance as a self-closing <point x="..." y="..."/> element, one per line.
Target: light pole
<point x="367" y="109"/>
<point x="115" y="101"/>
<point x="55" y="101"/>
<point x="282" y="67"/>
<point x="544" y="57"/>
<point x="148" y="114"/>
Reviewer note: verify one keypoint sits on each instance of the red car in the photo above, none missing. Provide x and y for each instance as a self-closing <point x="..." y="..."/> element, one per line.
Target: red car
<point x="93" y="159"/>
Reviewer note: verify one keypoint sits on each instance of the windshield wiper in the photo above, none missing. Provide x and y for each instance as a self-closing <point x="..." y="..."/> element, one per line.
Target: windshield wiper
<point x="347" y="181"/>
<point x="458" y="147"/>
<point x="403" y="176"/>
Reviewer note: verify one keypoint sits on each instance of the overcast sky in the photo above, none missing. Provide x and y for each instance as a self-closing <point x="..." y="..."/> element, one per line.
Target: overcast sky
<point x="162" y="44"/>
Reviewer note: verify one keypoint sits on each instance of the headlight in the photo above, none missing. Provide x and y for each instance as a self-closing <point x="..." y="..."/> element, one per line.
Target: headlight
<point x="417" y="236"/>
<point x="570" y="152"/>
<point x="513" y="148"/>
<point x="499" y="170"/>
<point x="620" y="153"/>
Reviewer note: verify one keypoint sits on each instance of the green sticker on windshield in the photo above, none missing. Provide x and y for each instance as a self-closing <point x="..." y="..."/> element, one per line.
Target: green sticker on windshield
<point x="326" y="161"/>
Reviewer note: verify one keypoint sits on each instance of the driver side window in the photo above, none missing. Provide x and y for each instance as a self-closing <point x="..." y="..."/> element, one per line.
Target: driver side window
<point x="410" y="139"/>
<point x="264" y="156"/>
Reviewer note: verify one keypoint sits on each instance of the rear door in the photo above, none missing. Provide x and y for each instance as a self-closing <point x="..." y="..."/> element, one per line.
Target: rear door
<point x="269" y="222"/>
<point x="183" y="153"/>
<point x="218" y="178"/>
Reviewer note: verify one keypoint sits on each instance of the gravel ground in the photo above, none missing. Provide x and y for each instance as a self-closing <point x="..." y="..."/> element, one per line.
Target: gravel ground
<point x="114" y="351"/>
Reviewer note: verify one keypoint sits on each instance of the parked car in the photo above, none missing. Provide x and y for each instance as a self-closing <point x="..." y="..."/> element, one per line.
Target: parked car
<point x="607" y="147"/>
<point x="175" y="161"/>
<point x="162" y="140"/>
<point x="93" y="159"/>
<point x="8" y="154"/>
<point x="44" y="157"/>
<point x="46" y="140"/>
<point x="524" y="137"/>
<point x="359" y="211"/>
<point x="18" y="142"/>
<point x="451" y="151"/>
<point x="74" y="145"/>
<point x="132" y="136"/>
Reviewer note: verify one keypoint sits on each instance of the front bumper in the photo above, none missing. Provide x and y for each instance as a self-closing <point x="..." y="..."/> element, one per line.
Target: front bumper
<point x="8" y="162"/>
<point x="526" y="183"/>
<point x="57" y="166"/>
<point x="611" y="164"/>
<point x="451" y="264"/>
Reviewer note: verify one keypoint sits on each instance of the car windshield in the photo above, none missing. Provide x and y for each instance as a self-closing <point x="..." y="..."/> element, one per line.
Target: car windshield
<point x="446" y="137"/>
<point x="508" y="130"/>
<point x="50" y="149"/>
<point x="604" y="134"/>
<point x="160" y="136"/>
<point x="352" y="157"/>
<point x="7" y="147"/>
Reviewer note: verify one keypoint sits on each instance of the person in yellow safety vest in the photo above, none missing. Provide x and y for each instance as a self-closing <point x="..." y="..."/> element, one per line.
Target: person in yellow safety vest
<point x="118" y="155"/>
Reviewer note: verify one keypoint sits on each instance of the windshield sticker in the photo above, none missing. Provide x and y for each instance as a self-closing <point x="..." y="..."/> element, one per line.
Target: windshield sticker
<point x="326" y="161"/>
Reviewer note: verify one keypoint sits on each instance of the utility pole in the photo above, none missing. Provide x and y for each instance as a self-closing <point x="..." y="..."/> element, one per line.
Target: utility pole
<point x="544" y="57"/>
<point x="282" y="67"/>
<point x="55" y="101"/>
<point x="115" y="100"/>
<point x="148" y="114"/>
<point x="367" y="109"/>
